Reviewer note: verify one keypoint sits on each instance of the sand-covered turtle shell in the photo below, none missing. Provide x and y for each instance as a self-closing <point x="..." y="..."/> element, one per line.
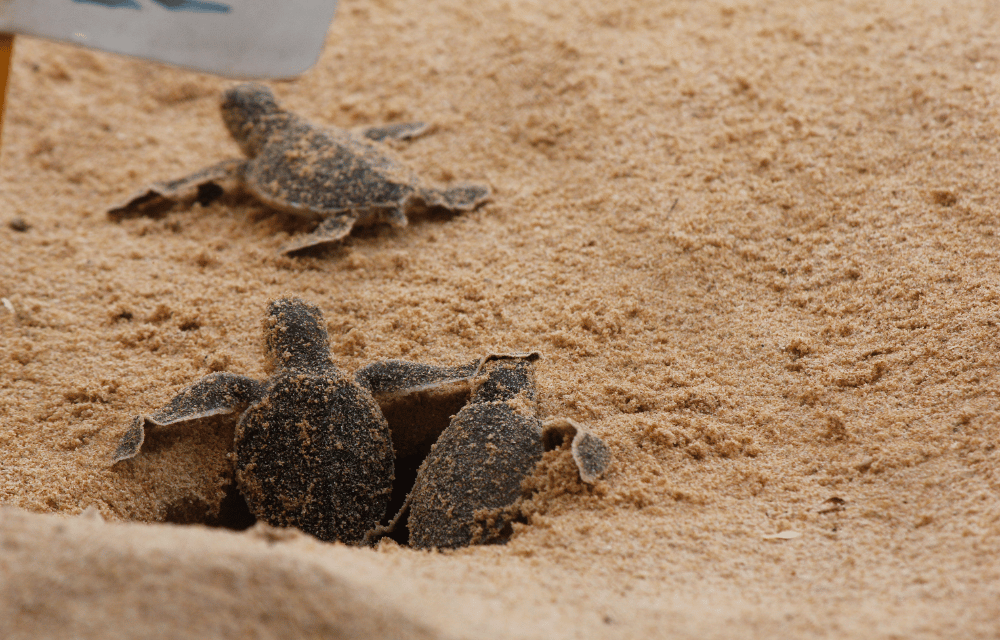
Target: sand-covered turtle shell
<point x="315" y="453"/>
<point x="316" y="173"/>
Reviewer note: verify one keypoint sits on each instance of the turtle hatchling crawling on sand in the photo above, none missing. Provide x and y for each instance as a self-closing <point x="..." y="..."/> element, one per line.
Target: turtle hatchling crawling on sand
<point x="332" y="176"/>
<point x="313" y="448"/>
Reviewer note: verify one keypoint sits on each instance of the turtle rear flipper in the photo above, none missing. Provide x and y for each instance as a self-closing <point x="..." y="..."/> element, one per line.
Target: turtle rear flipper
<point x="202" y="187"/>
<point x="330" y="230"/>
<point x="215" y="394"/>
<point x="399" y="131"/>
<point x="463" y="197"/>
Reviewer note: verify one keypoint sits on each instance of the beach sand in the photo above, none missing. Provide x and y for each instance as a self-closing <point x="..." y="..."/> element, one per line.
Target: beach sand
<point x="755" y="242"/>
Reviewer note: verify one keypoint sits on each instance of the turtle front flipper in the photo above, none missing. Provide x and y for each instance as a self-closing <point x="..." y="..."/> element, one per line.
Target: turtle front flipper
<point x="417" y="400"/>
<point x="330" y="230"/>
<point x="399" y="131"/>
<point x="463" y="197"/>
<point x="202" y="187"/>
<point x="467" y="489"/>
<point x="386" y="379"/>
<point x="591" y="454"/>
<point x="215" y="394"/>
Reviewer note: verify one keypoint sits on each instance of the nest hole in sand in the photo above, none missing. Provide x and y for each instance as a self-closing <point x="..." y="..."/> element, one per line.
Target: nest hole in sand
<point x="415" y="421"/>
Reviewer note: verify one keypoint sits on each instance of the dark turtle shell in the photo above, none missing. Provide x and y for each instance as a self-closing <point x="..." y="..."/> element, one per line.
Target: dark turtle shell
<point x="315" y="453"/>
<point x="315" y="172"/>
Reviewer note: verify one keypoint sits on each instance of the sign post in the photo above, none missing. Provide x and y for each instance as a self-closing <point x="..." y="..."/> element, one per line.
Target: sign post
<point x="6" y="51"/>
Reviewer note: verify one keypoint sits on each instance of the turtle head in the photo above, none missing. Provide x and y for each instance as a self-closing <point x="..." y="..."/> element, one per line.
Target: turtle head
<point x="251" y="114"/>
<point x="295" y="336"/>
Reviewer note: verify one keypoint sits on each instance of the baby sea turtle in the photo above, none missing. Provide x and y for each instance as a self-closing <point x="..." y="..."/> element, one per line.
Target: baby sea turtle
<point x="334" y="177"/>
<point x="313" y="448"/>
<point x="466" y="487"/>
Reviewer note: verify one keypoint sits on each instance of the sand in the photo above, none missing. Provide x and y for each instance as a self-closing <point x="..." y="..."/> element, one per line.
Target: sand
<point x="756" y="244"/>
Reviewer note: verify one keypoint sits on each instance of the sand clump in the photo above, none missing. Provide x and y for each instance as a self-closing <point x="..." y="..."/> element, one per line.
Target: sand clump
<point x="755" y="243"/>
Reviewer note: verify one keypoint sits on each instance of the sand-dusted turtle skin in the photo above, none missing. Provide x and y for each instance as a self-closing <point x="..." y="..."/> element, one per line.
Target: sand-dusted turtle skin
<point x="313" y="448"/>
<point x="339" y="178"/>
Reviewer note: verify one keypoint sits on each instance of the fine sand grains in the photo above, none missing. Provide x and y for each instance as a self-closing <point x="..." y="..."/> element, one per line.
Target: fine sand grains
<point x="755" y="242"/>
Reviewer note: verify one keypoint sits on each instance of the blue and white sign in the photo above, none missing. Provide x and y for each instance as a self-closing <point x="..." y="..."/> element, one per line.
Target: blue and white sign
<point x="235" y="38"/>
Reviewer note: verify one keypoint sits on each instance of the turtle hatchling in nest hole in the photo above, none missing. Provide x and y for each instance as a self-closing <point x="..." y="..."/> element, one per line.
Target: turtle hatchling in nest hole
<point x="313" y="448"/>
<point x="334" y="177"/>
